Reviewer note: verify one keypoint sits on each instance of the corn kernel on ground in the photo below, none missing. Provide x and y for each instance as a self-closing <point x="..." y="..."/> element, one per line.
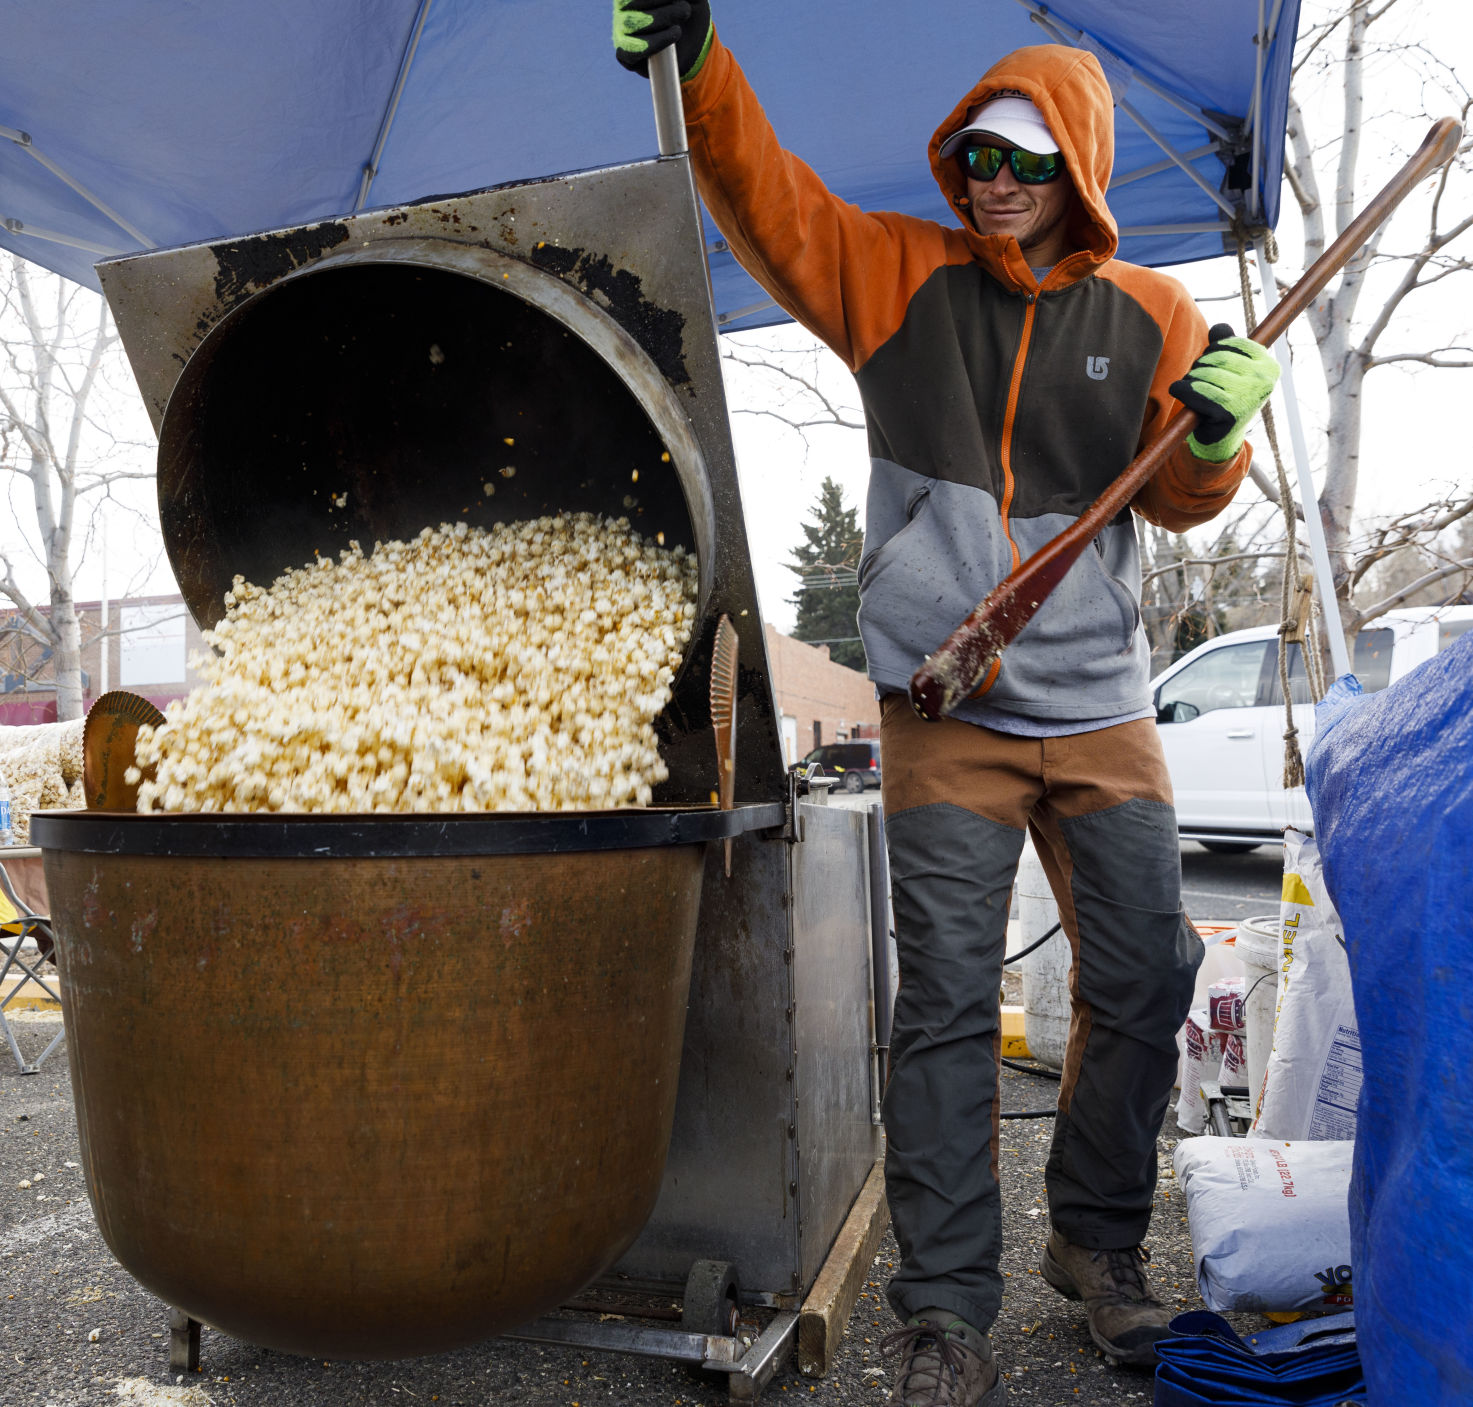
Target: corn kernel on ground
<point x="515" y="669"/>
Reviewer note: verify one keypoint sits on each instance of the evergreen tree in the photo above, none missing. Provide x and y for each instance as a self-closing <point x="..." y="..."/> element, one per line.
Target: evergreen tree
<point x="827" y="567"/>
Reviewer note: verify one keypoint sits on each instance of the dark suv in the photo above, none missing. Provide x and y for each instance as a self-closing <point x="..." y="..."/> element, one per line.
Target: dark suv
<point x="856" y="764"/>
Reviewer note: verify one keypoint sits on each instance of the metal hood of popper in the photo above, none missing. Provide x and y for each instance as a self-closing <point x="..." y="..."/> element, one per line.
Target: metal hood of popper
<point x="367" y="377"/>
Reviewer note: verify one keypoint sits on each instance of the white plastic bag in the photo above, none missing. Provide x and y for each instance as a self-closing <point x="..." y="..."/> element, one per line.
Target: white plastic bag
<point x="1201" y="1060"/>
<point x="1270" y="1222"/>
<point x="1312" y="1081"/>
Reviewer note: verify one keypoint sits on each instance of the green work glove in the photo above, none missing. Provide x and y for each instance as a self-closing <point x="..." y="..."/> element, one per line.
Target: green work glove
<point x="643" y="27"/>
<point x="1226" y="385"/>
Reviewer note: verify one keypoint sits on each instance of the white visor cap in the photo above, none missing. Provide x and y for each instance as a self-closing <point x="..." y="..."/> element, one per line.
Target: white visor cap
<point x="1015" y="120"/>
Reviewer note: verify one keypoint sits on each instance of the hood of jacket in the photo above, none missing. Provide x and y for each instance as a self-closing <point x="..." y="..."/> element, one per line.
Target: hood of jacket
<point x="1069" y="88"/>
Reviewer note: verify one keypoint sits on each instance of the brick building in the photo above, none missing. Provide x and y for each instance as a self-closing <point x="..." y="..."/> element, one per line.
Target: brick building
<point x="148" y="642"/>
<point x="819" y="701"/>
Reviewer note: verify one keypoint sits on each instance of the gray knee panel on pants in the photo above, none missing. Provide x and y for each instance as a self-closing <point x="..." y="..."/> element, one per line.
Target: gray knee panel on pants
<point x="1138" y="959"/>
<point x="952" y="874"/>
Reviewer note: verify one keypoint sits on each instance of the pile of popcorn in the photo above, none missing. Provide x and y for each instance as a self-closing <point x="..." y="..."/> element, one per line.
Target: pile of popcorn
<point x="515" y="669"/>
<point x="42" y="765"/>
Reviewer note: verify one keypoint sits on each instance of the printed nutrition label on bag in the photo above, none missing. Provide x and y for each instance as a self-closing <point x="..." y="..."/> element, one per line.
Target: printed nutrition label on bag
<point x="1339" y="1091"/>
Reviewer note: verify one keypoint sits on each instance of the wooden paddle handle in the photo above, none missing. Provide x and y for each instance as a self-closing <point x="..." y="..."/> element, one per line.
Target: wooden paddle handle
<point x="958" y="667"/>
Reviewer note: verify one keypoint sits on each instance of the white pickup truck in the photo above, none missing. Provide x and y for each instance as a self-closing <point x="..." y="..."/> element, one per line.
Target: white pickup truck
<point x="1220" y="717"/>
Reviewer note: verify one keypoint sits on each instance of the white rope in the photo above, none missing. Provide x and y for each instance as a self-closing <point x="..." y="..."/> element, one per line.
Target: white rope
<point x="1296" y="597"/>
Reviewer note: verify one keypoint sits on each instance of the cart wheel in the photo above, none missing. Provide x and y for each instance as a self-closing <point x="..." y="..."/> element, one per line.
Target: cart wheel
<point x="710" y="1305"/>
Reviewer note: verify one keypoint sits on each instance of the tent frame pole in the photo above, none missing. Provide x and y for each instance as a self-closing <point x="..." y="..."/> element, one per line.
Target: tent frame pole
<point x="1082" y="39"/>
<point x="1208" y="189"/>
<point x="1267" y="33"/>
<point x="1093" y="46"/>
<point x="1156" y="167"/>
<point x="1255" y="110"/>
<point x="737" y="314"/>
<point x="1319" y="551"/>
<point x="370" y="167"/>
<point x="1221" y="227"/>
<point x="24" y="142"/>
<point x="52" y="237"/>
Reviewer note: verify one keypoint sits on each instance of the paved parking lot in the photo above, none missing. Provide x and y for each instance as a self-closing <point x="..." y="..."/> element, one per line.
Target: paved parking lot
<point x="76" y="1329"/>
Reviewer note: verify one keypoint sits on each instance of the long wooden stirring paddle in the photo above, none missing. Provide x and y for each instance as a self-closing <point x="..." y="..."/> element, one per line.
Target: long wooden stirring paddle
<point x="957" y="668"/>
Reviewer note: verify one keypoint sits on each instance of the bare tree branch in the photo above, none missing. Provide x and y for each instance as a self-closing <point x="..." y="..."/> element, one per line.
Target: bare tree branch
<point x="1416" y="529"/>
<point x="1376" y="14"/>
<point x="26" y="609"/>
<point x="1354" y="95"/>
<point x="1270" y="488"/>
<point x="792" y="422"/>
<point x="1427" y="358"/>
<point x="1397" y="597"/>
<point x="1411" y="281"/>
<point x="1211" y="563"/>
<point x="832" y="413"/>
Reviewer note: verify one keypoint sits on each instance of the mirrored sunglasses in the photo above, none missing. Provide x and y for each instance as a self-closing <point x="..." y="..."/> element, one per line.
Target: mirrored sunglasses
<point x="983" y="162"/>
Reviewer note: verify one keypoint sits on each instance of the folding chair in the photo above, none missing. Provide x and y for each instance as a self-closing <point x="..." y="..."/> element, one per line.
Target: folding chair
<point x="26" y="942"/>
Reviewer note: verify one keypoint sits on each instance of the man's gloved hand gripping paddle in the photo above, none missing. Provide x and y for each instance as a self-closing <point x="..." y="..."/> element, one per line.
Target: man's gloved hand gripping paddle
<point x="1227" y="386"/>
<point x="1216" y="381"/>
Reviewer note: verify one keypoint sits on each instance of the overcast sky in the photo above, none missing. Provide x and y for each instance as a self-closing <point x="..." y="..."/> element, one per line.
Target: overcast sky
<point x="1415" y="424"/>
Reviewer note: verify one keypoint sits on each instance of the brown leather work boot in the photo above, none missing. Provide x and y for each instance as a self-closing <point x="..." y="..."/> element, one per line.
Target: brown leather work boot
<point x="940" y="1366"/>
<point x="1124" y="1319"/>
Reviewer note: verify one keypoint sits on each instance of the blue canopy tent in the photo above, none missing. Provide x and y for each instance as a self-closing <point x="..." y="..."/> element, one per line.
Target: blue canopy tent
<point x="136" y="124"/>
<point x="132" y="124"/>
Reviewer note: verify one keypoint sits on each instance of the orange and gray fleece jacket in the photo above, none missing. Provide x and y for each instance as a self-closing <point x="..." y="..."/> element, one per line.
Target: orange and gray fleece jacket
<point x="998" y="408"/>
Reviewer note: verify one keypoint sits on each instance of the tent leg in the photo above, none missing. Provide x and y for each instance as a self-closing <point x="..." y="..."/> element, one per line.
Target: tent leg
<point x="1324" y="579"/>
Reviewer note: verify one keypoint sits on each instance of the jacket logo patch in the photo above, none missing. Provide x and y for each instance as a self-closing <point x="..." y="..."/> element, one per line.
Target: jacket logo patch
<point x="1097" y="368"/>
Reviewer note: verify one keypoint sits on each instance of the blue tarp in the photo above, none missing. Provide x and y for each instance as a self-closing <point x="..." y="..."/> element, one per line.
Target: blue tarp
<point x="1312" y="1363"/>
<point x="193" y="120"/>
<point x="1390" y="780"/>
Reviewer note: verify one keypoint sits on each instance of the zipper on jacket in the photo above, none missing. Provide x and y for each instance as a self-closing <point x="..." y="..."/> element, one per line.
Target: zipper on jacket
<point x="1010" y="415"/>
<point x="1006" y="456"/>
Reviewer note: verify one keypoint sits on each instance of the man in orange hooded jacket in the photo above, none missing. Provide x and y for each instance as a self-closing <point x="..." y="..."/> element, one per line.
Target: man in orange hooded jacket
<point x="1010" y="369"/>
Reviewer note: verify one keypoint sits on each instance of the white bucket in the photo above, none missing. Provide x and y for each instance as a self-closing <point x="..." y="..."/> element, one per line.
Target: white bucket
<point x="1046" y="1009"/>
<point x="1259" y="943"/>
<point x="1219" y="963"/>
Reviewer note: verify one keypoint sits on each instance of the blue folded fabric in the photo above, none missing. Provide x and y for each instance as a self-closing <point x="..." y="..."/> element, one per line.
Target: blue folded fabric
<point x="1310" y="1363"/>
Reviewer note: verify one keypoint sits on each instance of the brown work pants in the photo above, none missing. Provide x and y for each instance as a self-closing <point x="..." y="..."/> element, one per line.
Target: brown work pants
<point x="958" y="801"/>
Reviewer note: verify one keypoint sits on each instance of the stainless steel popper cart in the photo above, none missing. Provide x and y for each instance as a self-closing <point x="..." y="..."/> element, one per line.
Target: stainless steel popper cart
<point x="361" y="378"/>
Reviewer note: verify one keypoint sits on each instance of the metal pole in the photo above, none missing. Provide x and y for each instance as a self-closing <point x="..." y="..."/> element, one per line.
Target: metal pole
<point x="669" y="107"/>
<point x="1255" y="108"/>
<point x="103" y="640"/>
<point x="879" y="933"/>
<point x="55" y="237"/>
<point x="370" y="167"/>
<point x="1319" y="550"/>
<point x="1083" y="39"/>
<point x="24" y="142"/>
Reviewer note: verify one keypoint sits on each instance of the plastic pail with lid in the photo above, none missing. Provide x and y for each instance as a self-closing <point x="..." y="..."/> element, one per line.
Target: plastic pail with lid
<point x="1259" y="943"/>
<point x="1046" y="1004"/>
